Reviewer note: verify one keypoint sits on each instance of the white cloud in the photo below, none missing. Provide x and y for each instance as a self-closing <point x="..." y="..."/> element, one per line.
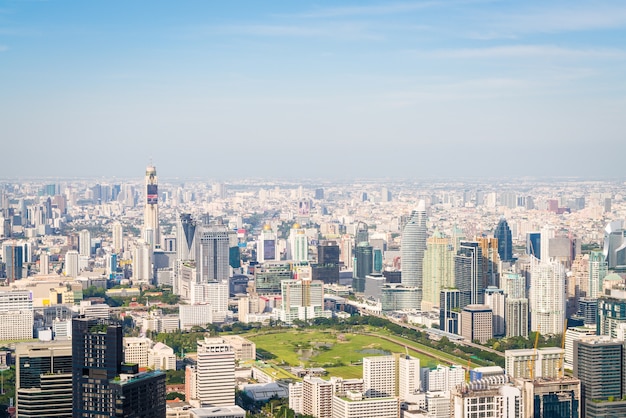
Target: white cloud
<point x="3" y="48"/>
<point x="381" y="9"/>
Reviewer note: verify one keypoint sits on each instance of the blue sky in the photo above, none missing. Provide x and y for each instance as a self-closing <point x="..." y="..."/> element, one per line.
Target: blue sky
<point x="313" y="89"/>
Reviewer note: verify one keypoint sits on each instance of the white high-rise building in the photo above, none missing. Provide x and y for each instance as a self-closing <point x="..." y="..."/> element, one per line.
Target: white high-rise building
<point x="84" y="243"/>
<point x="71" y="263"/>
<point x="16" y="315"/>
<point x="302" y="300"/>
<point x="598" y="269"/>
<point x="379" y="376"/>
<point x="215" y="373"/>
<point x="298" y="244"/>
<point x="353" y="405"/>
<point x="408" y="376"/>
<point x="547" y="296"/>
<point x="142" y="265"/>
<point x="547" y="233"/>
<point x="442" y="378"/>
<point x="495" y="299"/>
<point x="412" y="249"/>
<point x="44" y="263"/>
<point x="118" y="238"/>
<point x="136" y="350"/>
<point x="317" y="397"/>
<point x="151" y="231"/>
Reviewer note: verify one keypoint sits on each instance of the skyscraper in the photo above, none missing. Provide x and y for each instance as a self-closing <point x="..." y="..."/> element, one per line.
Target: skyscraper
<point x="213" y="254"/>
<point x="118" y="237"/>
<point x="547" y="296"/>
<point x="151" y="232"/>
<point x="267" y="245"/>
<point x="597" y="273"/>
<point x="412" y="249"/>
<point x="298" y="244"/>
<point x="43" y="379"/>
<point x="469" y="276"/>
<point x="505" y="241"/>
<point x="438" y="269"/>
<point x="104" y="386"/>
<point x="215" y="373"/>
<point x="13" y="257"/>
<point x="185" y="237"/>
<point x="84" y="243"/>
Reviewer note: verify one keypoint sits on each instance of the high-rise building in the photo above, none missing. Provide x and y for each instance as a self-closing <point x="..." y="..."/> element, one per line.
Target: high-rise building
<point x="151" y="231"/>
<point x="302" y="300"/>
<point x="213" y="252"/>
<point x="354" y="405"/>
<point x="185" y="237"/>
<point x="215" y="373"/>
<point x="597" y="273"/>
<point x="408" y="376"/>
<point x="16" y="315"/>
<point x="102" y="384"/>
<point x="71" y="265"/>
<point x="44" y="262"/>
<point x="379" y="376"/>
<point x="505" y="241"/>
<point x="495" y="299"/>
<point x="477" y="323"/>
<point x="412" y="249"/>
<point x="142" y="264"/>
<point x="611" y="311"/>
<point x="547" y="296"/>
<point x="599" y="364"/>
<point x="363" y="265"/>
<point x="84" y="243"/>
<point x="267" y="245"/>
<point x="136" y="350"/>
<point x="516" y="317"/>
<point x="117" y="237"/>
<point x="438" y="270"/>
<point x="468" y="273"/>
<point x="449" y="308"/>
<point x="13" y="258"/>
<point x="317" y="397"/>
<point x="533" y="244"/>
<point x="43" y="379"/>
<point x="493" y="395"/>
<point x="298" y="244"/>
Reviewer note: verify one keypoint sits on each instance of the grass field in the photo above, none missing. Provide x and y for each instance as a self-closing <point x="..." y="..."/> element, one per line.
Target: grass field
<point x="339" y="353"/>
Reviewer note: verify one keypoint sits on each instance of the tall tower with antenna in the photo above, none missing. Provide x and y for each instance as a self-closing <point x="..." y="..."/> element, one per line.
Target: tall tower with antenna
<point x="151" y="231"/>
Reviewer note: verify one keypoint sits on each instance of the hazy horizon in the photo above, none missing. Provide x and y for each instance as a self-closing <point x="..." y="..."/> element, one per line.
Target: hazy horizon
<point x="292" y="90"/>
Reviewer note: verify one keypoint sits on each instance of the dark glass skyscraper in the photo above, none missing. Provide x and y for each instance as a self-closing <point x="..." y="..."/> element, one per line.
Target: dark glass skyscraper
<point x="505" y="241"/>
<point x="469" y="276"/>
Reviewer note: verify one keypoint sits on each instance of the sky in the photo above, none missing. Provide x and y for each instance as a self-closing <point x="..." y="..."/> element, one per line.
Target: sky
<point x="301" y="89"/>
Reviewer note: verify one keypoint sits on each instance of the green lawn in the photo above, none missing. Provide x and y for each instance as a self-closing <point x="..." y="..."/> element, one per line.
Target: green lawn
<point x="339" y="353"/>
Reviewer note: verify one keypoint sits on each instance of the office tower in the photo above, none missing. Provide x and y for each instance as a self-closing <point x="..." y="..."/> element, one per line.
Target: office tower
<point x="267" y="245"/>
<point x="597" y="273"/>
<point x="136" y="350"/>
<point x="379" y="376"/>
<point x="16" y="315"/>
<point x="215" y="373"/>
<point x="516" y="317"/>
<point x="44" y="263"/>
<point x="408" y="376"/>
<point x="611" y="311"/>
<point x="102" y="385"/>
<point x="43" y="379"/>
<point x="142" y="264"/>
<point x="151" y="231"/>
<point x="547" y="297"/>
<point x="71" y="263"/>
<point x="533" y="244"/>
<point x="495" y="299"/>
<point x="363" y="265"/>
<point x="96" y="359"/>
<point x="555" y="398"/>
<point x="505" y="241"/>
<point x="490" y="260"/>
<point x="588" y="311"/>
<point x="442" y="378"/>
<point x="546" y="234"/>
<point x="118" y="238"/>
<point x="185" y="237"/>
<point x="542" y="363"/>
<point x="212" y="259"/>
<point x="438" y="270"/>
<point x="13" y="258"/>
<point x="396" y="297"/>
<point x="302" y="300"/>
<point x="268" y="276"/>
<point x="317" y="397"/>
<point x="412" y="247"/>
<point x="477" y="323"/>
<point x="361" y="233"/>
<point x="298" y="244"/>
<point x="468" y="273"/>
<point x="378" y="261"/>
<point x="327" y="268"/>
<point x="84" y="243"/>
<point x="599" y="364"/>
<point x="449" y="308"/>
<point x="494" y="395"/>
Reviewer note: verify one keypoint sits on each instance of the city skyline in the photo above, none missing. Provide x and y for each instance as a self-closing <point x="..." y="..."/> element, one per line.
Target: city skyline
<point x="373" y="89"/>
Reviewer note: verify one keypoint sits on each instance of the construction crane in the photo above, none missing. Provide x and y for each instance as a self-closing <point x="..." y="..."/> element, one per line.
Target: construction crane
<point x="561" y="370"/>
<point x="531" y="365"/>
